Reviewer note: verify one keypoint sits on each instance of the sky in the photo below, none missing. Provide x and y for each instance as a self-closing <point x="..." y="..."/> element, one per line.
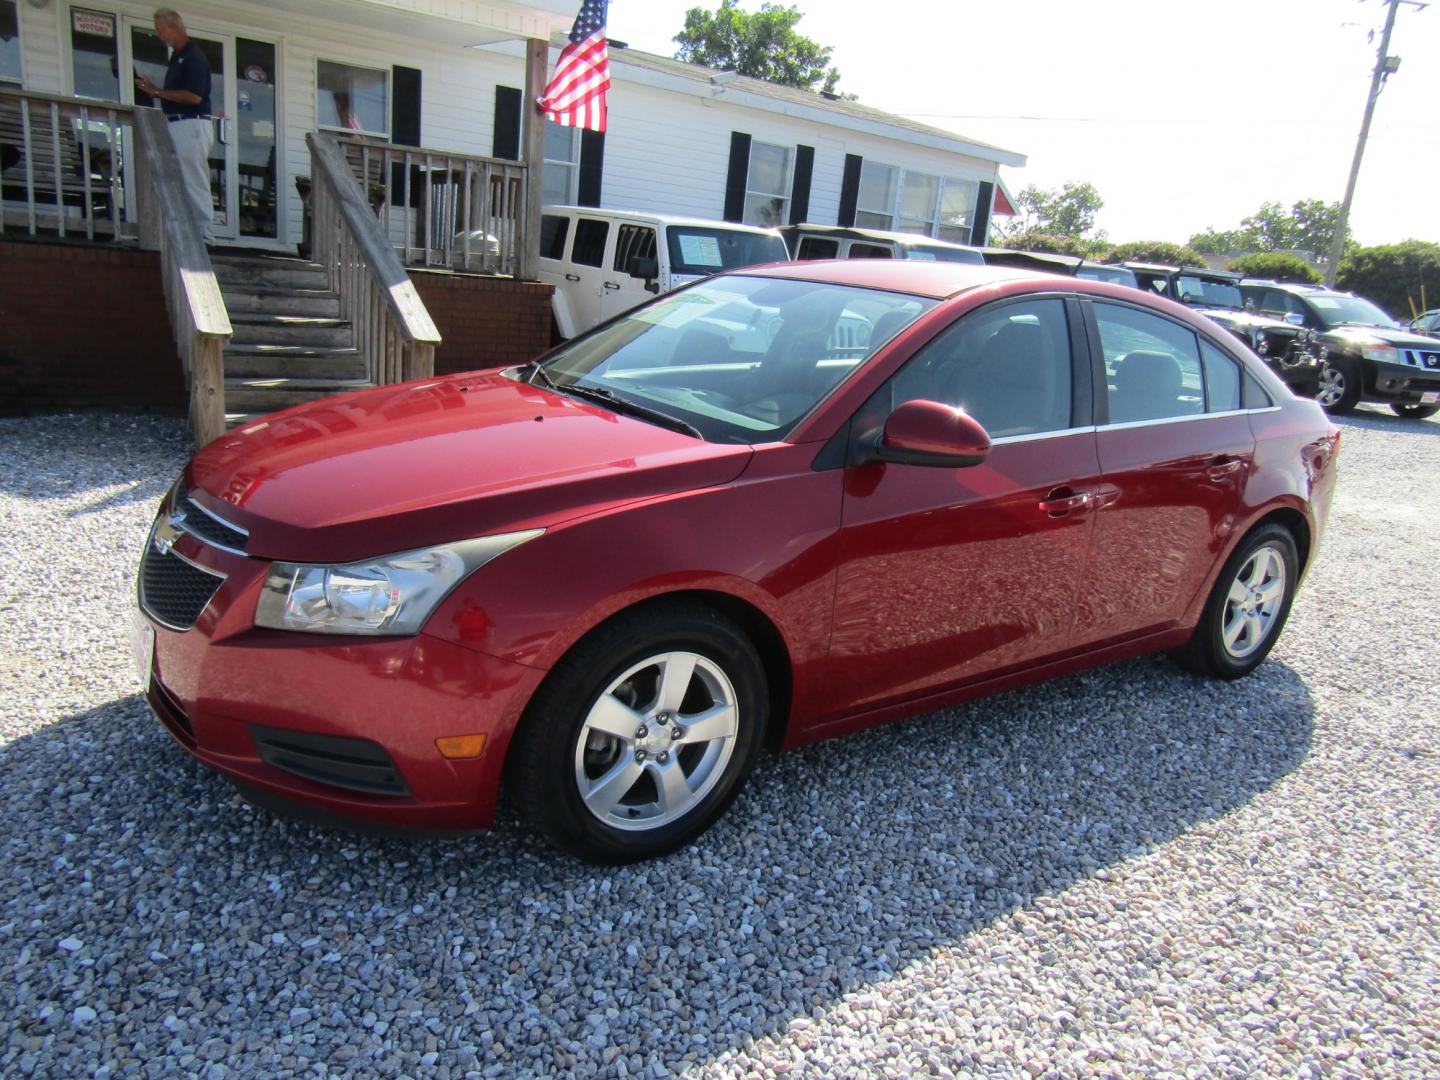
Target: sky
<point x="1184" y="114"/>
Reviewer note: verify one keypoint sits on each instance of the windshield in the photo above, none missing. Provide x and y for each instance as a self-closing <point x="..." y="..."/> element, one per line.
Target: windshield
<point x="741" y="359"/>
<point x="936" y="253"/>
<point x="1116" y="275"/>
<point x="698" y="250"/>
<point x="1337" y="309"/>
<point x="1204" y="292"/>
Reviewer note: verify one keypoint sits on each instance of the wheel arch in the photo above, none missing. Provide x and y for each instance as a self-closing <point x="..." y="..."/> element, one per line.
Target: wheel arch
<point x="1294" y="522"/>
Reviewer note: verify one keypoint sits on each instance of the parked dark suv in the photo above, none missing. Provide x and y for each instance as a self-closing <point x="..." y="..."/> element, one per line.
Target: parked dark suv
<point x="1365" y="354"/>
<point x="1288" y="348"/>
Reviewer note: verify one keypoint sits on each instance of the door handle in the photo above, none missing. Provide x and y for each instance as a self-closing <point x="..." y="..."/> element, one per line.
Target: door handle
<point x="572" y="277"/>
<point x="1064" y="501"/>
<point x="1220" y="470"/>
<point x="612" y="285"/>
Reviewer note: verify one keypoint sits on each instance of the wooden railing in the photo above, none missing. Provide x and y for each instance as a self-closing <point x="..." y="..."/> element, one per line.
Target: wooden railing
<point x="192" y="295"/>
<point x="441" y="208"/>
<point x="393" y="331"/>
<point x="62" y="166"/>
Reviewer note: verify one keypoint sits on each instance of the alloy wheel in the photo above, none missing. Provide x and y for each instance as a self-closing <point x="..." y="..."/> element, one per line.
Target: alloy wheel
<point x="1254" y="603"/>
<point x="1332" y="386"/>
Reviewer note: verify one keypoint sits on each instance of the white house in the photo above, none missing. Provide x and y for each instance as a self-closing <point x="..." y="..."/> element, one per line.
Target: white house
<point x="447" y="74"/>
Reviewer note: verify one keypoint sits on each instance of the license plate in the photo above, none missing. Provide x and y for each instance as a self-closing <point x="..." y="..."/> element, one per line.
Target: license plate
<point x="142" y="647"/>
<point x="1430" y="397"/>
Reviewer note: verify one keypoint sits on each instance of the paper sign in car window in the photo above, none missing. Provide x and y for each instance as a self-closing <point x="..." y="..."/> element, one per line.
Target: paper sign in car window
<point x="700" y="250"/>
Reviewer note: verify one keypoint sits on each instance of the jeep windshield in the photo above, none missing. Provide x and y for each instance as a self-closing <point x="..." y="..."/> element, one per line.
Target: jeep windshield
<point x="695" y="249"/>
<point x="740" y="359"/>
<point x="1207" y="292"/>
<point x="1337" y="309"/>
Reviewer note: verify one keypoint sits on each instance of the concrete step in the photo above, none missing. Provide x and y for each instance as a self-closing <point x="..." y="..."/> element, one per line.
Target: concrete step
<point x="267" y="395"/>
<point x="271" y="272"/>
<point x="316" y="303"/>
<point x="262" y="361"/>
<point x="302" y="330"/>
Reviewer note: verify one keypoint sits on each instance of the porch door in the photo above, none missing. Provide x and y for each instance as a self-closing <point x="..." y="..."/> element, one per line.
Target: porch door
<point x="148" y="55"/>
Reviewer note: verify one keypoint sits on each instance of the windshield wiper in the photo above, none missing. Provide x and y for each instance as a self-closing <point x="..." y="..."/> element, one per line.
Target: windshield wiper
<point x="602" y="396"/>
<point x="534" y="368"/>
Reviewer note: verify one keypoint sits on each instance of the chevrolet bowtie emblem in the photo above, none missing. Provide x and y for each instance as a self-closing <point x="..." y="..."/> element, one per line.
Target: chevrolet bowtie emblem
<point x="166" y="533"/>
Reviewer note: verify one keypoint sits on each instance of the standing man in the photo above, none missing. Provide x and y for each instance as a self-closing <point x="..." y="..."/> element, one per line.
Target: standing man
<point x="185" y="97"/>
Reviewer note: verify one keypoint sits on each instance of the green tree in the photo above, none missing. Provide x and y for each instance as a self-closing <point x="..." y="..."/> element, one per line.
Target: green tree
<point x="1156" y="251"/>
<point x="1067" y="211"/>
<point x="1217" y="241"/>
<point x="762" y="45"/>
<point x="1308" y="225"/>
<point x="1277" y="267"/>
<point x="1401" y="278"/>
<point x="1054" y="243"/>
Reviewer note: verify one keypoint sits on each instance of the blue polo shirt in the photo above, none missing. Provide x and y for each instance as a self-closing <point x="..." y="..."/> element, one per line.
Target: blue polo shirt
<point x="188" y="70"/>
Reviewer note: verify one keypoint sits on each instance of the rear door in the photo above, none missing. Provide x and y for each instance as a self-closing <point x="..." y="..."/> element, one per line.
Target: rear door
<point x="949" y="574"/>
<point x="1175" y="449"/>
<point x="586" y="271"/>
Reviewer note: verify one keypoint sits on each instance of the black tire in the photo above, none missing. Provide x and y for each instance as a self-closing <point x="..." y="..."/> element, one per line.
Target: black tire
<point x="1207" y="652"/>
<point x="543" y="776"/>
<point x="1414" y="412"/>
<point x="1340" y="387"/>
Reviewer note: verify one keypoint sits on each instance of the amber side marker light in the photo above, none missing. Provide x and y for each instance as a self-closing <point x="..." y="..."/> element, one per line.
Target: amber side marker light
<point x="461" y="746"/>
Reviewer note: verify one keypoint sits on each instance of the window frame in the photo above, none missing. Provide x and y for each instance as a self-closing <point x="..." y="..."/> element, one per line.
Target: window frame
<point x="933" y="222"/>
<point x="788" y="183"/>
<point x="67" y="43"/>
<point x="571" y="166"/>
<point x="389" y="98"/>
<point x="16" y="82"/>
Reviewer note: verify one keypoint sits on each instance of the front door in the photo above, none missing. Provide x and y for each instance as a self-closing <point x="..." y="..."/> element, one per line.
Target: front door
<point x="951" y="574"/>
<point x="620" y="289"/>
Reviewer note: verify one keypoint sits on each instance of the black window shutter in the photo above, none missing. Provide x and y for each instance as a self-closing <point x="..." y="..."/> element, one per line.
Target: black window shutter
<point x="505" y="142"/>
<point x="735" y="179"/>
<point x="592" y="166"/>
<point x="405" y="107"/>
<point x="800" y="193"/>
<point x="982" y="213"/>
<point x="849" y="190"/>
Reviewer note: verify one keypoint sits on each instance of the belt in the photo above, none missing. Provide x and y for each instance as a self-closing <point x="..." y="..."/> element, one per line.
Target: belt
<point x="175" y="118"/>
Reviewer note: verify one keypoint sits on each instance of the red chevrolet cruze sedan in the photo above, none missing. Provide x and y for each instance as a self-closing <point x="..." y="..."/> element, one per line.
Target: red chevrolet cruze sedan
<point x="775" y="506"/>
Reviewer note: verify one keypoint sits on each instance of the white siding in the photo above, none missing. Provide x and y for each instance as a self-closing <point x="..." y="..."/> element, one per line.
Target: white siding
<point x="42" y="58"/>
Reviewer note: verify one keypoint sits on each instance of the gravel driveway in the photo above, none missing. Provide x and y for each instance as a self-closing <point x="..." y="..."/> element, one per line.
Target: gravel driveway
<point x="1132" y="871"/>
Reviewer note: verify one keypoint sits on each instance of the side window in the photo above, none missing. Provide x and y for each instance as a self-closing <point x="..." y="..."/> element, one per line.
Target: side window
<point x="554" y="231"/>
<point x="590" y="237"/>
<point x="633" y="242"/>
<point x="1007" y="366"/>
<point x="813" y="247"/>
<point x="869" y="251"/>
<point x="1152" y="365"/>
<point x="1222" y="379"/>
<point x="1255" y="395"/>
<point x="1280" y="303"/>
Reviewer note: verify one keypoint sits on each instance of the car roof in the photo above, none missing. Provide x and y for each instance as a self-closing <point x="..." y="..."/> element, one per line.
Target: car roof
<point x="663" y="219"/>
<point x="934" y="279"/>
<point x="853" y="233"/>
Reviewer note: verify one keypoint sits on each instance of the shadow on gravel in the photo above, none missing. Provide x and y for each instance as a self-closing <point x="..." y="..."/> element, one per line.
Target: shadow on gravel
<point x="61" y="457"/>
<point x="1379" y="418"/>
<point x="202" y="918"/>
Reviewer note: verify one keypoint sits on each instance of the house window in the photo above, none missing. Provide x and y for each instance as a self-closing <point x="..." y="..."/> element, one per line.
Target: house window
<point x="767" y="185"/>
<point x="93" y="51"/>
<point x="9" y="43"/>
<point x="918" y="194"/>
<point x="957" y="210"/>
<point x="562" y="164"/>
<point x="875" y="201"/>
<point x="351" y="98"/>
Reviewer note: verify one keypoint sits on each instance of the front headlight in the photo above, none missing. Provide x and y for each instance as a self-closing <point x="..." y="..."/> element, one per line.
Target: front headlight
<point x="393" y="594"/>
<point x="1385" y="354"/>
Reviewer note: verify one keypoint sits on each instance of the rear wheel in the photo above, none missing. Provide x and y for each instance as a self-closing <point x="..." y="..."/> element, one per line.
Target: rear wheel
<point x="642" y="735"/>
<point x="1415" y="412"/>
<point x="1247" y="608"/>
<point x="1339" y="390"/>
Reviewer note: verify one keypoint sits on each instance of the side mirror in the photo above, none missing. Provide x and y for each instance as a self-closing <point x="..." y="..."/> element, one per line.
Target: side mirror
<point x="929" y="433"/>
<point x="1294" y="318"/>
<point x="641" y="267"/>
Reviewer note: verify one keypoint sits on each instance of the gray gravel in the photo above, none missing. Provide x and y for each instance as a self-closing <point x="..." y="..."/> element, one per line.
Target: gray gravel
<point x="1129" y="872"/>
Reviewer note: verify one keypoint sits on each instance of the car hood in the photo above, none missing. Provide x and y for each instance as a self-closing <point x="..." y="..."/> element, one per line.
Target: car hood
<point x="418" y="464"/>
<point x="1403" y="339"/>
<point x="1232" y="317"/>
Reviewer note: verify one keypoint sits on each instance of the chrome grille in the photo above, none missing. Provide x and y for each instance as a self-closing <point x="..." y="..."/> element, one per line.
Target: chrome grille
<point x="174" y="591"/>
<point x="209" y="528"/>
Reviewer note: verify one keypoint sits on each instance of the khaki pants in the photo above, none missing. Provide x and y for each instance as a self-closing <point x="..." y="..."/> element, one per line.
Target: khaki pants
<point x="193" y="140"/>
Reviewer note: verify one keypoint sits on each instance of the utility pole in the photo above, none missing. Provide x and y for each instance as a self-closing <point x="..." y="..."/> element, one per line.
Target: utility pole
<point x="1385" y="65"/>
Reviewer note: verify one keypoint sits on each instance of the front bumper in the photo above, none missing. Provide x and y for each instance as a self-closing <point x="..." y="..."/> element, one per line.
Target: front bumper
<point x="1399" y="383"/>
<point x="342" y="727"/>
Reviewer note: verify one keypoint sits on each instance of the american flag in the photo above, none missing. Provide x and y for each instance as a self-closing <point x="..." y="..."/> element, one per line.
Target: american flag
<point x="576" y="94"/>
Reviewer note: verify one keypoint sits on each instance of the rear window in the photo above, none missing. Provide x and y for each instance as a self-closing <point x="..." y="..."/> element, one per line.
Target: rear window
<point x="701" y="250"/>
<point x="590" y="236"/>
<point x="1116" y="275"/>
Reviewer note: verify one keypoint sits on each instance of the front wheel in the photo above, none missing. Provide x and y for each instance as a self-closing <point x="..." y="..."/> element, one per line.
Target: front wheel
<point x="641" y="735"/>
<point x="1415" y="412"/>
<point x="1339" y="390"/>
<point x="1247" y="608"/>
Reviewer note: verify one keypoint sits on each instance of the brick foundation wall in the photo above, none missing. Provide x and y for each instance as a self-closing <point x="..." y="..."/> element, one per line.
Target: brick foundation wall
<point x="485" y="322"/>
<point x="84" y="327"/>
